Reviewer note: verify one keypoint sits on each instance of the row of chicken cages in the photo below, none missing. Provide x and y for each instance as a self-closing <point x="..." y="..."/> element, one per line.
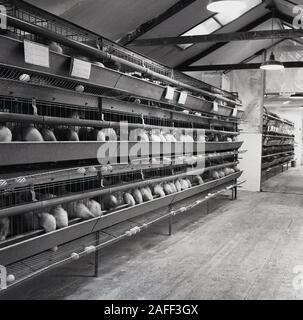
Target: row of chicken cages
<point x="208" y="196"/>
<point x="102" y="81"/>
<point x="24" y="120"/>
<point x="24" y="200"/>
<point x="267" y="151"/>
<point x="273" y="124"/>
<point x="277" y="160"/>
<point x="108" y="54"/>
<point x="273" y="140"/>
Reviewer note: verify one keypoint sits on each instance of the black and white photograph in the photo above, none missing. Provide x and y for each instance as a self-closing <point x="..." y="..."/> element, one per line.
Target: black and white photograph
<point x="151" y="151"/>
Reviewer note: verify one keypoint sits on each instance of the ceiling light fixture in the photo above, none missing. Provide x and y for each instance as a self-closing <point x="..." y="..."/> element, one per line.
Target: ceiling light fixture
<point x="272" y="64"/>
<point x="226" y="5"/>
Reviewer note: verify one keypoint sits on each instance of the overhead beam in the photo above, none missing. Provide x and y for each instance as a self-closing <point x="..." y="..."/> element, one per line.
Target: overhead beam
<point x="219" y="45"/>
<point x="238" y="66"/>
<point x="147" y="26"/>
<point x="219" y="37"/>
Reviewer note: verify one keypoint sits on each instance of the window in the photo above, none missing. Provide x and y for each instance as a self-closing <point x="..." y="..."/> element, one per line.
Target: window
<point x="216" y="22"/>
<point x="227" y="16"/>
<point x="287" y="27"/>
<point x="207" y="27"/>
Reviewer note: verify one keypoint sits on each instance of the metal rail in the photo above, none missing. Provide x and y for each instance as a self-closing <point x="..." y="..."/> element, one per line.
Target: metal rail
<point x="39" y="205"/>
<point x="88" y="50"/>
<point x="47" y="120"/>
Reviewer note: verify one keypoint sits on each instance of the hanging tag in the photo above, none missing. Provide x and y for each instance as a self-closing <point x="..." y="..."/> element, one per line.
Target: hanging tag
<point x="142" y="175"/>
<point x="235" y="111"/>
<point x="215" y="106"/>
<point x="80" y="69"/>
<point x="169" y="94"/>
<point x="101" y="183"/>
<point x="182" y="97"/>
<point x="36" y="53"/>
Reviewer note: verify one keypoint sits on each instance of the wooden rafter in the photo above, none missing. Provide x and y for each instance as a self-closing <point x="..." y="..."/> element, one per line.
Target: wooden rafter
<point x="219" y="45"/>
<point x="145" y="27"/>
<point x="237" y="66"/>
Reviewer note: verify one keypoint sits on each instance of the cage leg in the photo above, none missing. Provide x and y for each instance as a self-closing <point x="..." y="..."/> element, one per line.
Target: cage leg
<point x="236" y="192"/>
<point x="96" y="256"/>
<point x="170" y="225"/>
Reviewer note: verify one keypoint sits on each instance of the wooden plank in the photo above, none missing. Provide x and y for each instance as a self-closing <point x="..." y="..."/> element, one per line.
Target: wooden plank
<point x="237" y="66"/>
<point x="146" y="26"/>
<point x="220" y="37"/>
<point x="219" y="45"/>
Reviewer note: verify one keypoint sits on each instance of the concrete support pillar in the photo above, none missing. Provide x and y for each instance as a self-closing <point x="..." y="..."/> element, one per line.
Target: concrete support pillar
<point x="250" y="86"/>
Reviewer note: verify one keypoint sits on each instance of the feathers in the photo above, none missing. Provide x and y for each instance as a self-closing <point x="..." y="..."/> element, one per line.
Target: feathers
<point x="110" y="202"/>
<point x="47" y="222"/>
<point x="158" y="190"/>
<point x="5" y="134"/>
<point x="129" y="199"/>
<point x="28" y="133"/>
<point x="78" y="209"/>
<point x="60" y="215"/>
<point x="167" y="189"/>
<point x="110" y="134"/>
<point x="4" y="228"/>
<point x="198" y="180"/>
<point x="48" y="135"/>
<point x="138" y="135"/>
<point x="137" y="196"/>
<point x="94" y="207"/>
<point x="66" y="134"/>
<point x="178" y="185"/>
<point x="146" y="194"/>
<point x="173" y="187"/>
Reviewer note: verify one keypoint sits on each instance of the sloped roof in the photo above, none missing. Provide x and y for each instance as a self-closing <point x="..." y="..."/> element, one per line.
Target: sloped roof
<point x="117" y="18"/>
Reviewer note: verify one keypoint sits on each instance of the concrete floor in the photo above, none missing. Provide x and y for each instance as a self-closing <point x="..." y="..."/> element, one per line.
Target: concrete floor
<point x="292" y="182"/>
<point x="245" y="249"/>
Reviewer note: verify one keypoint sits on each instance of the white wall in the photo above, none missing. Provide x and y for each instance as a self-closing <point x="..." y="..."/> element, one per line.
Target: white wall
<point x="251" y="160"/>
<point x="213" y="78"/>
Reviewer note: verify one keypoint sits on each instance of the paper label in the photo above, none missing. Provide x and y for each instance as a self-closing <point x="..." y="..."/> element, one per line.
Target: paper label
<point x="81" y="69"/>
<point x="182" y="97"/>
<point x="170" y="91"/>
<point x="36" y="53"/>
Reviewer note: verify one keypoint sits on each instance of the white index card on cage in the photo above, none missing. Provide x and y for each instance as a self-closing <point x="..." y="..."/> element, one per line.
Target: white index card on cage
<point x="36" y="53"/>
<point x="169" y="94"/>
<point x="235" y="111"/>
<point x="182" y="97"/>
<point x="80" y="69"/>
<point x="215" y="106"/>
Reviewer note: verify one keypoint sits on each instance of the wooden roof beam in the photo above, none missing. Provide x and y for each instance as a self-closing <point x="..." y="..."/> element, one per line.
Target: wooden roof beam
<point x="219" y="45"/>
<point x="147" y="26"/>
<point x="237" y="66"/>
